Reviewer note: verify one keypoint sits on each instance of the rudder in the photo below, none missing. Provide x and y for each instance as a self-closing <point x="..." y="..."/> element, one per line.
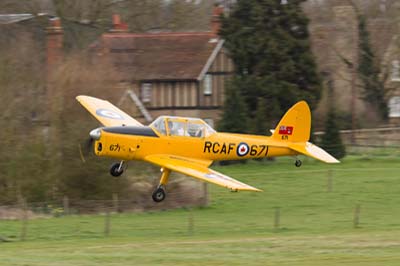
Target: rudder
<point x="295" y="125"/>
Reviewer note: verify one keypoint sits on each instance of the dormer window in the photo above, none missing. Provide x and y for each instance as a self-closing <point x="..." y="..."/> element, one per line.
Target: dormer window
<point x="207" y="84"/>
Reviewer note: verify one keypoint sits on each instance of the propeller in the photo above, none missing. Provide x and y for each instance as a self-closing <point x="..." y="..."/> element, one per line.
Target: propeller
<point x="87" y="146"/>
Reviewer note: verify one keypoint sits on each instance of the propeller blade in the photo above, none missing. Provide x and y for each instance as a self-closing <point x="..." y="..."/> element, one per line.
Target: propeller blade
<point x="85" y="149"/>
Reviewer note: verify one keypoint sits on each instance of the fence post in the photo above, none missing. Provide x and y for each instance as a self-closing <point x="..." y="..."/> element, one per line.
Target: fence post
<point x="356" y="220"/>
<point x="66" y="205"/>
<point x="24" y="219"/>
<point x="330" y="180"/>
<point x="277" y="218"/>
<point x="115" y="202"/>
<point x="107" y="224"/>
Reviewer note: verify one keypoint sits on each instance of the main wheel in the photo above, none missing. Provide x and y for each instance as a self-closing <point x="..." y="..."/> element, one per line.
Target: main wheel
<point x="116" y="170"/>
<point x="298" y="163"/>
<point x="159" y="194"/>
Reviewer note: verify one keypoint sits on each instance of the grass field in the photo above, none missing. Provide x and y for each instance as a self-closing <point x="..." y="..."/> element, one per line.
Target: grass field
<point x="316" y="227"/>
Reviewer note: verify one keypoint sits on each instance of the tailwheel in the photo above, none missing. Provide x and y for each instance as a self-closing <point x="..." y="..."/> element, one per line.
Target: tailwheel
<point x="298" y="163"/>
<point x="159" y="194"/>
<point x="117" y="169"/>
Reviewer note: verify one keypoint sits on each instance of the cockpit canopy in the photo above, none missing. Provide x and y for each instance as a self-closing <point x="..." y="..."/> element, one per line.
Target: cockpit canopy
<point x="182" y="126"/>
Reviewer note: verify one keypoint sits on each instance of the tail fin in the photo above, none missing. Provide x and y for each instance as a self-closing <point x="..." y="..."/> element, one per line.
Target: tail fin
<point x="294" y="129"/>
<point x="295" y="125"/>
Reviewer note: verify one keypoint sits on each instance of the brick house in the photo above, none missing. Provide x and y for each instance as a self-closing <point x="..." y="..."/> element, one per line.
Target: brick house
<point x="168" y="73"/>
<point x="334" y="37"/>
<point x="391" y="60"/>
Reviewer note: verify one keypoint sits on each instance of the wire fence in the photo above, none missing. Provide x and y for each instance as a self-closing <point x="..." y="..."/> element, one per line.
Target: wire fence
<point x="349" y="198"/>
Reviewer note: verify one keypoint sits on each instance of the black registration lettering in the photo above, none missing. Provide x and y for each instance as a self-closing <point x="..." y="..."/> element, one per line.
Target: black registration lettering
<point x="223" y="149"/>
<point x="115" y="147"/>
<point x="215" y="147"/>
<point x="207" y="146"/>
<point x="231" y="147"/>
<point x="263" y="147"/>
<point x="253" y="150"/>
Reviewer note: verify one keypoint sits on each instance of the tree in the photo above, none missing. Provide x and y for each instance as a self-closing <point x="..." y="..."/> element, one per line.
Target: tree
<point x="21" y="88"/>
<point x="234" y="116"/>
<point x="369" y="72"/>
<point x="269" y="44"/>
<point x="331" y="141"/>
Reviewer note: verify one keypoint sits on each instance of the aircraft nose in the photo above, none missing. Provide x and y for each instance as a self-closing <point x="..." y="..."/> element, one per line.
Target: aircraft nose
<point x="95" y="134"/>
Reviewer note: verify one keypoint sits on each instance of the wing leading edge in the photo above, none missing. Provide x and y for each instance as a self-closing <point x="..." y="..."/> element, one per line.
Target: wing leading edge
<point x="198" y="170"/>
<point x="106" y="113"/>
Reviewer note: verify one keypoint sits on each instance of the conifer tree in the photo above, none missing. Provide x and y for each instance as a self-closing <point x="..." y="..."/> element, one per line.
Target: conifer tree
<point x="234" y="117"/>
<point x="269" y="43"/>
<point x="331" y="141"/>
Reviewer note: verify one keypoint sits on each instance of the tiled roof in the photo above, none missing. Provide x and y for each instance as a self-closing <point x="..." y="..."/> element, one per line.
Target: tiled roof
<point x="158" y="56"/>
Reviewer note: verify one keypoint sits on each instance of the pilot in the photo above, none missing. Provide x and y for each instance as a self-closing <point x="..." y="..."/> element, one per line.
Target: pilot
<point x="181" y="130"/>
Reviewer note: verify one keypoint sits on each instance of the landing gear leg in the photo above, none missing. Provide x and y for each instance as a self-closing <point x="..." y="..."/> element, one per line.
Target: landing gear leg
<point x="298" y="163"/>
<point x="117" y="169"/>
<point x="159" y="194"/>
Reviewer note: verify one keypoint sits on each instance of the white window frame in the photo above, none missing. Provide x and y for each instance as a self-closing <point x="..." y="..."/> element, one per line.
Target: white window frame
<point x="395" y="70"/>
<point x="207" y="84"/>
<point x="394" y="106"/>
<point x="146" y="92"/>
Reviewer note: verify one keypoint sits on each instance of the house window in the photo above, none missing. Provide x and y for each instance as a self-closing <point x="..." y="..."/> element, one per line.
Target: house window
<point x="395" y="73"/>
<point x="207" y="84"/>
<point x="146" y="92"/>
<point x="394" y="106"/>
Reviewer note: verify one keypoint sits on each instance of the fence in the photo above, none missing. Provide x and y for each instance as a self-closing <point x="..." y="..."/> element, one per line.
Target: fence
<point x="370" y="142"/>
<point x="312" y="200"/>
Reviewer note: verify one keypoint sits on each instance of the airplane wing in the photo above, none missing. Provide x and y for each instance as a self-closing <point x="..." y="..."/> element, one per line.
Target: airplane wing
<point x="199" y="170"/>
<point x="106" y="113"/>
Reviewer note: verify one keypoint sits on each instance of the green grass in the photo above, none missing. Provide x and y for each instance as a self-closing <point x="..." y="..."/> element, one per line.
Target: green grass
<point x="316" y="226"/>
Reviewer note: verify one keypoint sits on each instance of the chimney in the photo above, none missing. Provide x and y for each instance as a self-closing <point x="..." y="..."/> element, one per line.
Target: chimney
<point x="117" y="25"/>
<point x="55" y="36"/>
<point x="54" y="57"/>
<point x="216" y="20"/>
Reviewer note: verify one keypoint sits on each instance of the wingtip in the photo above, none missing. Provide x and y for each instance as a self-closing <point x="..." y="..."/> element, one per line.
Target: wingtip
<point x="80" y="97"/>
<point x="252" y="189"/>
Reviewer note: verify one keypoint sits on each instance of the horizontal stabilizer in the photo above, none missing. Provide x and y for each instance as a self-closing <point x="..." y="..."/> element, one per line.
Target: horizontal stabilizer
<point x="313" y="151"/>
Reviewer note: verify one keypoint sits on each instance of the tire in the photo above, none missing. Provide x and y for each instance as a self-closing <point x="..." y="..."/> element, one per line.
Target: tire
<point x="159" y="194"/>
<point x="115" y="170"/>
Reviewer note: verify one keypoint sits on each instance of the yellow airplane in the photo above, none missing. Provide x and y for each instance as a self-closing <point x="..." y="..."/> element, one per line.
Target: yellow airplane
<point x="189" y="145"/>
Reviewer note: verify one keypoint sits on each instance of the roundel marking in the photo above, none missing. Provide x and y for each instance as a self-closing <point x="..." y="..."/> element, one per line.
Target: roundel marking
<point x="242" y="149"/>
<point x="109" y="114"/>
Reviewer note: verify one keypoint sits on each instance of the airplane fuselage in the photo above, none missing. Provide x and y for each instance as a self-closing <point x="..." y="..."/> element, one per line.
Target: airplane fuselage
<point x="135" y="143"/>
<point x="189" y="145"/>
